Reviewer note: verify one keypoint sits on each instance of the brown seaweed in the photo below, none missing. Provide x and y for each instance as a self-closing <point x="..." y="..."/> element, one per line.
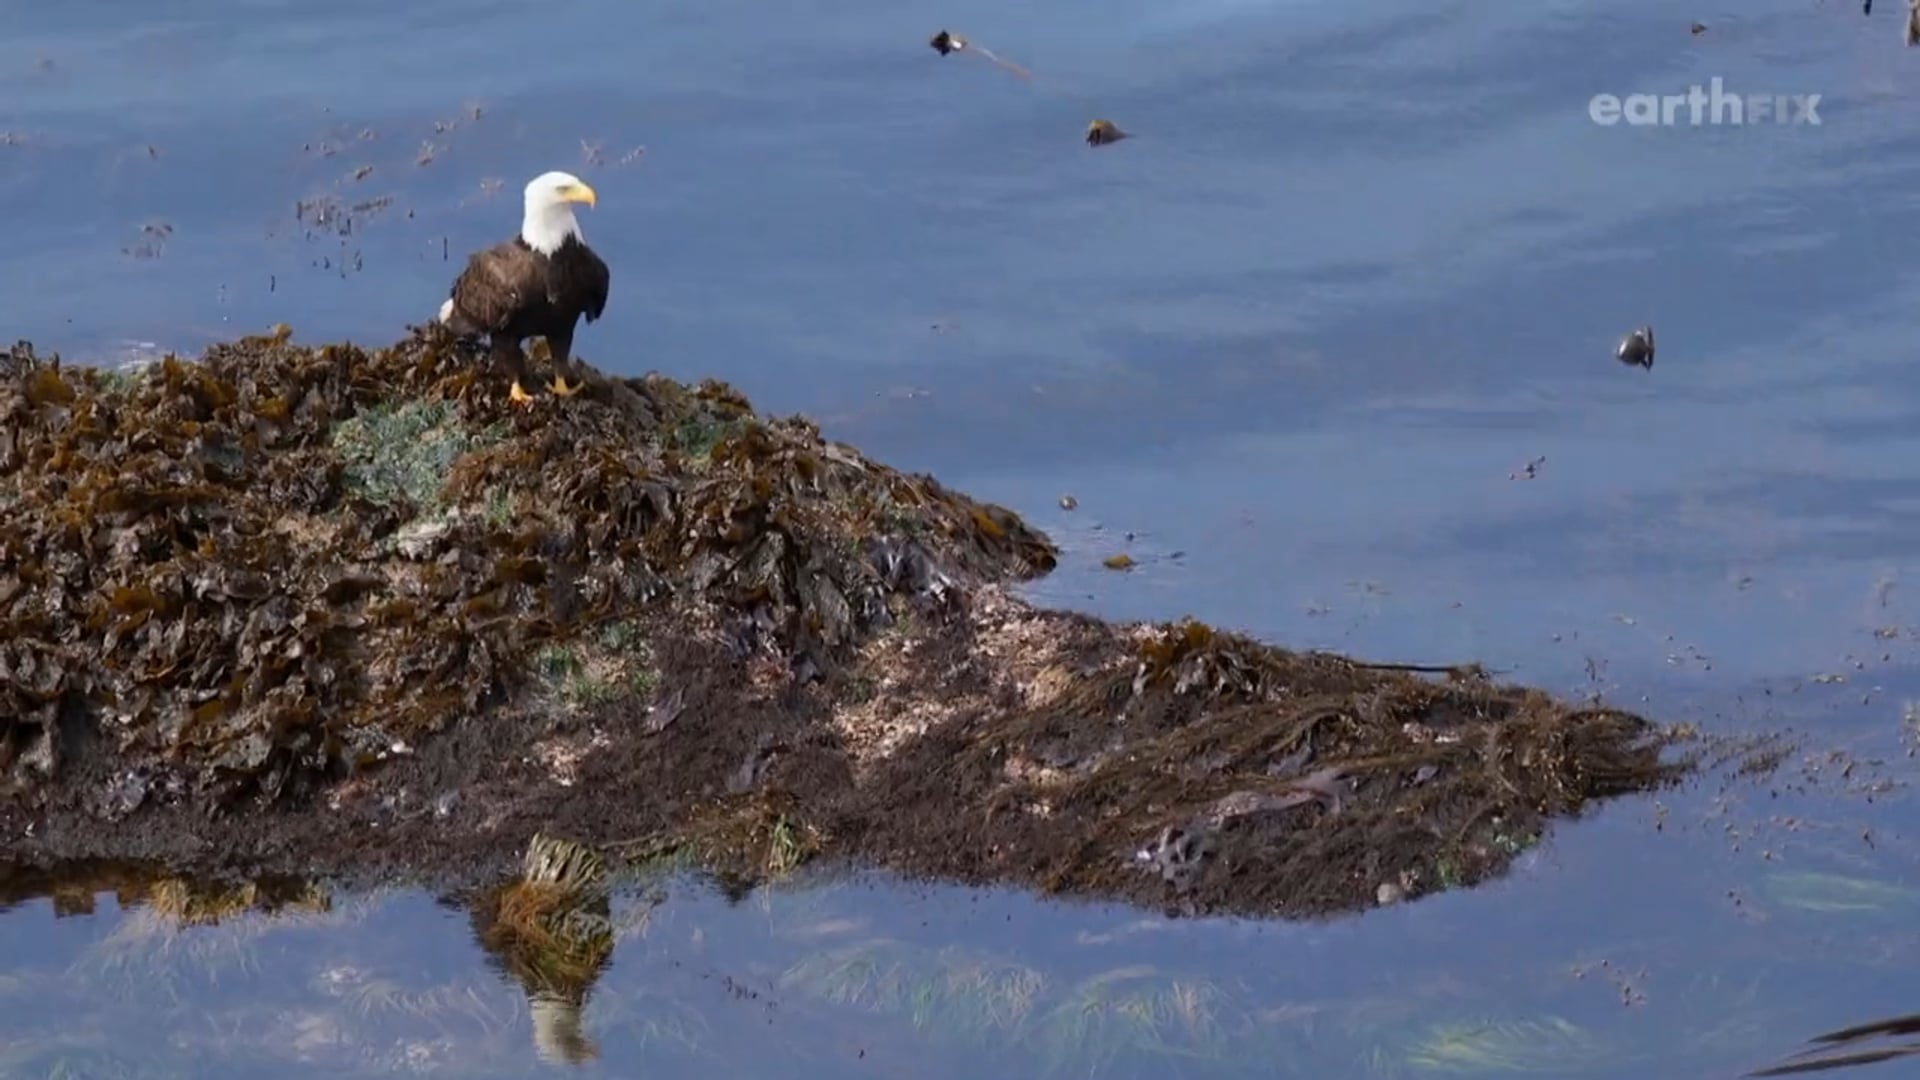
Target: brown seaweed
<point x="281" y="563"/>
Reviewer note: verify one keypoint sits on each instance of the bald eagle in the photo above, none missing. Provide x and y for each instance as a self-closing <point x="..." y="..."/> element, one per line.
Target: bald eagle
<point x="537" y="284"/>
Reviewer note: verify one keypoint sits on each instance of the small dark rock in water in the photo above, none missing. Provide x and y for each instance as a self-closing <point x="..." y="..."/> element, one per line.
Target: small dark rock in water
<point x="1528" y="471"/>
<point x="1637" y="348"/>
<point x="1102" y="132"/>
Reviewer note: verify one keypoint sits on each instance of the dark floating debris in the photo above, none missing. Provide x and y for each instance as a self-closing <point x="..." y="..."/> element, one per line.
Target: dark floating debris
<point x="1852" y="1046"/>
<point x="946" y="42"/>
<point x="152" y="243"/>
<point x="1637" y="347"/>
<point x="1103" y="132"/>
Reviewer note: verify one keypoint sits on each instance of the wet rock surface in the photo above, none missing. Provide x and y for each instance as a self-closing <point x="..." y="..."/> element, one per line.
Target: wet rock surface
<point x="292" y="609"/>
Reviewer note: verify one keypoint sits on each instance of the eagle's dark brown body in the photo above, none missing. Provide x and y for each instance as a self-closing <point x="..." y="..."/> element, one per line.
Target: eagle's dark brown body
<point x="510" y="293"/>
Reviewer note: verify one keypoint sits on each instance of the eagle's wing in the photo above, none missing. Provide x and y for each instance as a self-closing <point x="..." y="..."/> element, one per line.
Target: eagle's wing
<point x="585" y="283"/>
<point x="495" y="285"/>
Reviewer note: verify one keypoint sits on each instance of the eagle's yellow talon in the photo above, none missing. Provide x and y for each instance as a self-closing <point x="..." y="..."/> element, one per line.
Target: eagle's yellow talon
<point x="519" y="394"/>
<point x="561" y="388"/>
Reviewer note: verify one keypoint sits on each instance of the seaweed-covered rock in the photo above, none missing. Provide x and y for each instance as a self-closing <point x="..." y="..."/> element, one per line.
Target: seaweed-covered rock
<point x="280" y="562"/>
<point x="652" y="621"/>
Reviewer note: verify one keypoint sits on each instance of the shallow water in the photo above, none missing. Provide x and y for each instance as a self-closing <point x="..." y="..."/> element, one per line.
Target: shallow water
<point x="1699" y="961"/>
<point x="1358" y="266"/>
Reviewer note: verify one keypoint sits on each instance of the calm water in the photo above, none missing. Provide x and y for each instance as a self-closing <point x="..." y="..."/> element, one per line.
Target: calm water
<point x="1360" y="263"/>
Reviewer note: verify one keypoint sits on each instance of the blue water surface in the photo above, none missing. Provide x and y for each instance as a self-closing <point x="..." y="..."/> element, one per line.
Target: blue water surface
<point x="1288" y="345"/>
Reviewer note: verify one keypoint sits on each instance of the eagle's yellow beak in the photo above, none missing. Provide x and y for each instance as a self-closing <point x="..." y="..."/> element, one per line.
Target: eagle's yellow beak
<point x="580" y="193"/>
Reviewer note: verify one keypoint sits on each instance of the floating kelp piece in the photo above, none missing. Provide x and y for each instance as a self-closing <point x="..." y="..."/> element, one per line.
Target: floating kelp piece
<point x="1637" y="347"/>
<point x="1861" y="1044"/>
<point x="946" y="42"/>
<point x="1103" y="133"/>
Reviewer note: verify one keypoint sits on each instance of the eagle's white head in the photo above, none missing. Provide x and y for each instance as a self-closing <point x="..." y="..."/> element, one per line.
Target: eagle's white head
<point x="549" y="217"/>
